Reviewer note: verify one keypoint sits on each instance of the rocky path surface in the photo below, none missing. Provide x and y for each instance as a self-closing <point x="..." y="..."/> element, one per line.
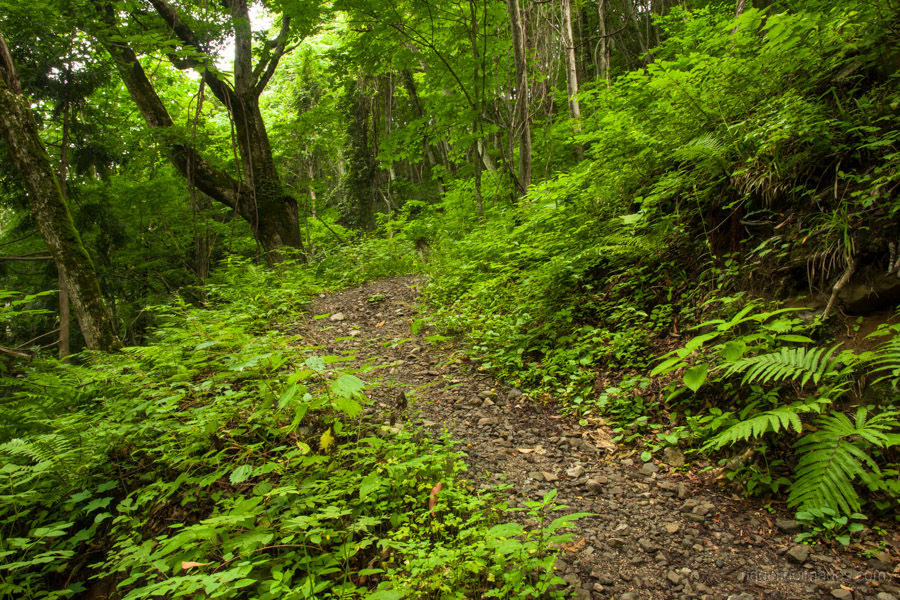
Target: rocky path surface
<point x="657" y="533"/>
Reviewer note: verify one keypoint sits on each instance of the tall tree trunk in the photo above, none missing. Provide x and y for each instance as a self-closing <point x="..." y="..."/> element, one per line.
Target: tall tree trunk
<point x="410" y="85"/>
<point x="360" y="181"/>
<point x="521" y="124"/>
<point x="200" y="203"/>
<point x="603" y="44"/>
<point x="64" y="316"/>
<point x="388" y="123"/>
<point x="486" y="159"/>
<point x="632" y="12"/>
<point x="477" y="106"/>
<point x="479" y="198"/>
<point x="572" y="75"/>
<point x="51" y="213"/>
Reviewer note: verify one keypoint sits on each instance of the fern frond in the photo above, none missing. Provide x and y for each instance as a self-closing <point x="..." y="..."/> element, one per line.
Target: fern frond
<point x="886" y="360"/>
<point x="704" y="147"/>
<point x="54" y="455"/>
<point x="834" y="456"/>
<point x="787" y="364"/>
<point x="41" y="449"/>
<point x="784" y="417"/>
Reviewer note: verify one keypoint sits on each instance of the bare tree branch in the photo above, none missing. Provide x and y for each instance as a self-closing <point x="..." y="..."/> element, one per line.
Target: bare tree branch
<point x="187" y="37"/>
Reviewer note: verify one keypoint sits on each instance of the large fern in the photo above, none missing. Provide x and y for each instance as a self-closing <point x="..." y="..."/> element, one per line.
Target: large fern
<point x="783" y="417"/>
<point x="706" y="151"/>
<point x="787" y="364"/>
<point x="886" y="360"/>
<point x="835" y="455"/>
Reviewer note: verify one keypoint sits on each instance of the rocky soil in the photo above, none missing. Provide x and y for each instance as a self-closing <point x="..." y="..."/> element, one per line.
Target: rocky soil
<point x="658" y="531"/>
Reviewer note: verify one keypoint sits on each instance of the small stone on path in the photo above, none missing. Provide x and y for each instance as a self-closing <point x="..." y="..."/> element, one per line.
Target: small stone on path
<point x="575" y="472"/>
<point x="787" y="525"/>
<point x="594" y="486"/>
<point x="673" y="457"/>
<point x="798" y="554"/>
<point x="337" y="317"/>
<point x="649" y="468"/>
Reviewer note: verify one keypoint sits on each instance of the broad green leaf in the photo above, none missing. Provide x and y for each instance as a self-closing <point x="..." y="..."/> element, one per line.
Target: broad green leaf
<point x="695" y="377"/>
<point x="316" y="363"/>
<point x="733" y="351"/>
<point x="698" y="341"/>
<point x="299" y="375"/>
<point x="241" y="474"/>
<point x="347" y="386"/>
<point x="348" y="406"/>
<point x="790" y="337"/>
<point x="288" y="396"/>
<point x="665" y="366"/>
<point x="385" y="595"/>
<point x="504" y="530"/>
<point x="369" y="484"/>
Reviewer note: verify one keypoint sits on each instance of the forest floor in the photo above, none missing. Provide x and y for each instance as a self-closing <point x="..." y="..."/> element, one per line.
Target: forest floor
<point x="659" y="532"/>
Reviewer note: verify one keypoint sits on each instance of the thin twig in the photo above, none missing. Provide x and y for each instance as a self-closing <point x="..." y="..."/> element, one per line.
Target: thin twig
<point x="26" y="344"/>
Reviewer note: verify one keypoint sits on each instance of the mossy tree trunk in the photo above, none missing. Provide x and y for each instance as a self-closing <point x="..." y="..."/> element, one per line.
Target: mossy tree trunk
<point x="259" y="196"/>
<point x="19" y="130"/>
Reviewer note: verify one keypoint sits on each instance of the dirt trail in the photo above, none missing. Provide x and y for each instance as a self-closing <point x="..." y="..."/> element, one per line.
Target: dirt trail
<point x="658" y="534"/>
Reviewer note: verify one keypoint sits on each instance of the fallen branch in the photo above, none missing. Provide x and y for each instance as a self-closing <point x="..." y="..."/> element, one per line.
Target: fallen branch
<point x="14" y="353"/>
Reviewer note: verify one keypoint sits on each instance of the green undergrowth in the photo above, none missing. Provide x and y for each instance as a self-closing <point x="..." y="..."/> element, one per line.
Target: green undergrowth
<point x="227" y="459"/>
<point x="365" y="260"/>
<point x="747" y="169"/>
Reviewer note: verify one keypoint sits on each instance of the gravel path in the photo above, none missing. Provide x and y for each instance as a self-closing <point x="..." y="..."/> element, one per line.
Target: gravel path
<point x="657" y="534"/>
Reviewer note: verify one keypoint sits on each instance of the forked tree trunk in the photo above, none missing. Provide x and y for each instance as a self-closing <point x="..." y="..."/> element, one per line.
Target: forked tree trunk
<point x="572" y="75"/>
<point x="51" y="213"/>
<point x="410" y="85"/>
<point x="603" y="72"/>
<point x="259" y="197"/>
<point x="521" y="123"/>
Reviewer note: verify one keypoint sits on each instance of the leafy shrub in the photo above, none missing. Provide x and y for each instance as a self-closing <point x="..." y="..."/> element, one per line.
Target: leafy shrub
<point x="224" y="461"/>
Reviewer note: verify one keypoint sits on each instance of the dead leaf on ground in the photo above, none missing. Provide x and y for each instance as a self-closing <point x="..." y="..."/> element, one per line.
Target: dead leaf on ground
<point x="381" y="324"/>
<point x="575" y="546"/>
<point x="525" y="450"/>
